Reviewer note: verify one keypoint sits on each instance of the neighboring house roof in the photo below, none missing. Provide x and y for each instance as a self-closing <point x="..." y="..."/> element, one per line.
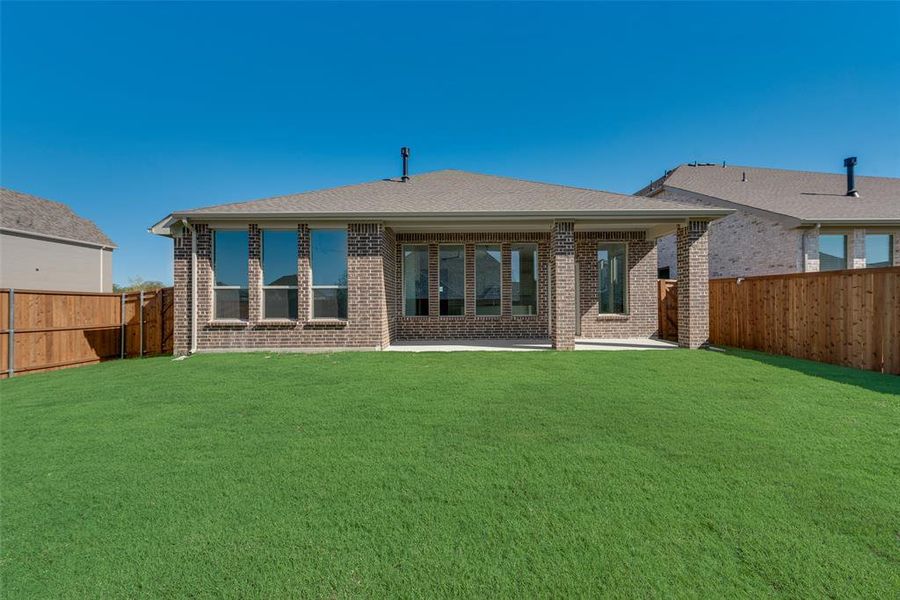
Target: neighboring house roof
<point x="24" y="213"/>
<point x="448" y="193"/>
<point x="808" y="196"/>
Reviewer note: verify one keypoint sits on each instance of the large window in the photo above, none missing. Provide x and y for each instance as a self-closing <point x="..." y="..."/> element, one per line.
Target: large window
<point x="279" y="271"/>
<point x="832" y="252"/>
<point x="415" y="281"/>
<point x="524" y="266"/>
<point x="612" y="281"/>
<point x="328" y="249"/>
<point x="879" y="250"/>
<point x="453" y="280"/>
<point x="487" y="279"/>
<point x="231" y="293"/>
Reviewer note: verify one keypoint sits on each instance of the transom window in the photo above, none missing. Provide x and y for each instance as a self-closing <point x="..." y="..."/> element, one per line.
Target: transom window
<point x="230" y="292"/>
<point x="453" y="280"/>
<point x="328" y="255"/>
<point x="415" y="280"/>
<point x="879" y="250"/>
<point x="612" y="283"/>
<point x="832" y="252"/>
<point x="488" y="268"/>
<point x="524" y="268"/>
<point x="279" y="271"/>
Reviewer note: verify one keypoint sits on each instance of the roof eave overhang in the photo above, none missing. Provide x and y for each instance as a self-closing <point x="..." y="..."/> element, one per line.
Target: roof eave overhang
<point x="56" y="238"/>
<point x="648" y="216"/>
<point x="861" y="222"/>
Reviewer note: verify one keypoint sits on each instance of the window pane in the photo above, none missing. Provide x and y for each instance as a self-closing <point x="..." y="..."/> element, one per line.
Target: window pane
<point x="487" y="280"/>
<point x="230" y="250"/>
<point x="279" y="257"/>
<point x="232" y="304"/>
<point x="453" y="280"/>
<point x="524" y="260"/>
<point x="879" y="250"/>
<point x="329" y="256"/>
<point x="280" y="303"/>
<point x="611" y="278"/>
<point x="330" y="303"/>
<point x="415" y="280"/>
<point x="832" y="252"/>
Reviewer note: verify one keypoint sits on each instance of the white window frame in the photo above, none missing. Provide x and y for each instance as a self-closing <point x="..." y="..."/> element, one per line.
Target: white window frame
<point x="627" y="299"/>
<point x="213" y="251"/>
<point x="537" y="279"/>
<point x="463" y="246"/>
<point x="262" y="271"/>
<point x="313" y="287"/>
<point x="427" y="247"/>
<point x="475" y="278"/>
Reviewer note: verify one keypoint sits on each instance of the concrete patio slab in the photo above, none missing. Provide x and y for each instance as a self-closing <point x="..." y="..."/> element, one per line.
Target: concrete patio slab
<point x="528" y="345"/>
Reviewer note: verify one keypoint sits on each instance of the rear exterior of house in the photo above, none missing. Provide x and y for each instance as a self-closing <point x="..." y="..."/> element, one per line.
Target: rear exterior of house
<point x="785" y="221"/>
<point x="446" y="255"/>
<point x="46" y="246"/>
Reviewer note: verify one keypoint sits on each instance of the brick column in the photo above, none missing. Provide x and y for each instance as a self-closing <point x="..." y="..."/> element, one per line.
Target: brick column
<point x="182" y="285"/>
<point x="896" y="249"/>
<point x="562" y="242"/>
<point x="254" y="272"/>
<point x="692" y="243"/>
<point x="366" y="297"/>
<point x="856" y="249"/>
<point x="304" y="274"/>
<point x="434" y="280"/>
<point x="505" y="279"/>
<point x="205" y="309"/>
<point x="810" y="251"/>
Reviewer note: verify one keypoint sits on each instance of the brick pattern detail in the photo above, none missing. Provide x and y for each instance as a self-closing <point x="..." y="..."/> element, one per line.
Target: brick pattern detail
<point x="641" y="318"/>
<point x="254" y="273"/>
<point x="856" y="249"/>
<point x="182" y="285"/>
<point x="470" y="326"/>
<point x="810" y="250"/>
<point x="562" y="334"/>
<point x="693" y="284"/>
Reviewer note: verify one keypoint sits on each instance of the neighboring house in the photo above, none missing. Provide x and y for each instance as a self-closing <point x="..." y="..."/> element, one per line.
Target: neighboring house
<point x="442" y="255"/>
<point x="786" y="221"/>
<point x="46" y="246"/>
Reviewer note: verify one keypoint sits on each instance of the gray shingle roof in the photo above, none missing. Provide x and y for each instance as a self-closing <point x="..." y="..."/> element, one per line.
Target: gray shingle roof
<point x="804" y="195"/>
<point x="24" y="212"/>
<point x="445" y="192"/>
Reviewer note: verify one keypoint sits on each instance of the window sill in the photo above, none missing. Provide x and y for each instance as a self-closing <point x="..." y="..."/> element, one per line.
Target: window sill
<point x="612" y="317"/>
<point x="277" y="322"/>
<point x="230" y="322"/>
<point x="327" y="322"/>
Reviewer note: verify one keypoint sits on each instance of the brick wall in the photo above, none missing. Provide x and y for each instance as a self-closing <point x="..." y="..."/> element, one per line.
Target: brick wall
<point x="641" y="319"/>
<point x="742" y="244"/>
<point x="693" y="284"/>
<point x="562" y="334"/>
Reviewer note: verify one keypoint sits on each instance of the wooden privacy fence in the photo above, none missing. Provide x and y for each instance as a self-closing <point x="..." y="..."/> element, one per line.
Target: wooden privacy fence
<point x="849" y="318"/>
<point x="44" y="330"/>
<point x="668" y="309"/>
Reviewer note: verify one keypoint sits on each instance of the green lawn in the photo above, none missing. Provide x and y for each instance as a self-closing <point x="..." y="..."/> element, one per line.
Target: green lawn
<point x="651" y="474"/>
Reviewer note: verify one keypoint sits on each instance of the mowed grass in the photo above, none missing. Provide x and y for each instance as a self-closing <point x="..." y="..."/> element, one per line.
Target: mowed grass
<point x="627" y="474"/>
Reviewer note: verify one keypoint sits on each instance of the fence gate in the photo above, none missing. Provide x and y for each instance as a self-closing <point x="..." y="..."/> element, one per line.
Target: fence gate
<point x="668" y="309"/>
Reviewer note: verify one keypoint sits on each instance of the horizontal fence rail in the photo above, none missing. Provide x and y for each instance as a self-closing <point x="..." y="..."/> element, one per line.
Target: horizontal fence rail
<point x="849" y="318"/>
<point x="41" y="330"/>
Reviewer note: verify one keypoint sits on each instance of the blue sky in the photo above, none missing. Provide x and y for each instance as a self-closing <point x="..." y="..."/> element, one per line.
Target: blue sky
<point x="128" y="111"/>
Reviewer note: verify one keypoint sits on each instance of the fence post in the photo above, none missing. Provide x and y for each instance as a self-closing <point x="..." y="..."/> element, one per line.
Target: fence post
<point x="122" y="330"/>
<point x="11" y="335"/>
<point x="141" y="300"/>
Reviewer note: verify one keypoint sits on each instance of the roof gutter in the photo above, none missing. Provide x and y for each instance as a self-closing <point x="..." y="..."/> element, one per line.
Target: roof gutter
<point x="850" y="222"/>
<point x="56" y="238"/>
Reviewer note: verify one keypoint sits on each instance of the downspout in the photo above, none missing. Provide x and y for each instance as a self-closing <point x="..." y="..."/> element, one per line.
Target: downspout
<point x="193" y="349"/>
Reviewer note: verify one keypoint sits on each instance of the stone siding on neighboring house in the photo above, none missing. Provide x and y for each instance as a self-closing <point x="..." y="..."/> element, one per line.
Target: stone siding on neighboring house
<point x="745" y="243"/>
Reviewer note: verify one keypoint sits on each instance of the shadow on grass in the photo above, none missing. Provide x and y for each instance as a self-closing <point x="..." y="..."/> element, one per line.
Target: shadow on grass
<point x="870" y="380"/>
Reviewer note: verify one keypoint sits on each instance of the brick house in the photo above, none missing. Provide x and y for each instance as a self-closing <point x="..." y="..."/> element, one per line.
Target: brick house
<point x="441" y="255"/>
<point x="785" y="221"/>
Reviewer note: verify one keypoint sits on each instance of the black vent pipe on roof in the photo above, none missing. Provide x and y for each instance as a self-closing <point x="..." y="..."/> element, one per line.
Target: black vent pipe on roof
<point x="404" y="153"/>
<point x="851" y="180"/>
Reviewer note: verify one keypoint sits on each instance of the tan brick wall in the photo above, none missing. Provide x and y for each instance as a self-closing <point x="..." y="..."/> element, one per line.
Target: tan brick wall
<point x="641" y="318"/>
<point x="742" y="244"/>
<point x="693" y="284"/>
